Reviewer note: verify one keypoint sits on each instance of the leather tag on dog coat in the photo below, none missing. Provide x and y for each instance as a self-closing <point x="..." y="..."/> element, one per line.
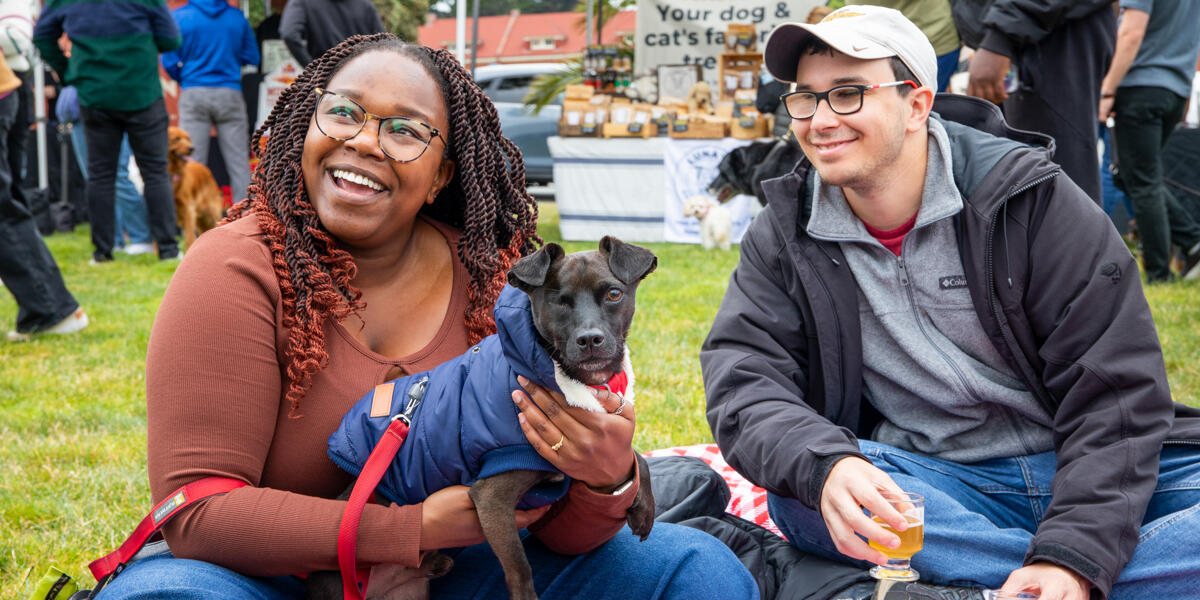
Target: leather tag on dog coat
<point x="381" y="400"/>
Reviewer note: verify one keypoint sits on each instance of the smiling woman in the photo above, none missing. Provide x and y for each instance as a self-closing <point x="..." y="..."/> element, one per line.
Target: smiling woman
<point x="383" y="216"/>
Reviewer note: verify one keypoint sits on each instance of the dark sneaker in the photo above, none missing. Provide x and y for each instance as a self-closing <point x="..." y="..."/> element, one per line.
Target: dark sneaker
<point x="98" y="258"/>
<point x="1191" y="265"/>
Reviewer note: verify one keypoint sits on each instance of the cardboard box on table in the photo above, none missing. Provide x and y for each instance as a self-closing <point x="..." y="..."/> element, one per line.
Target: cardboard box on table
<point x="631" y="120"/>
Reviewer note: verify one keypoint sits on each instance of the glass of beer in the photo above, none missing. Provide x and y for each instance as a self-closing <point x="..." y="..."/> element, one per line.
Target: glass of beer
<point x="912" y="507"/>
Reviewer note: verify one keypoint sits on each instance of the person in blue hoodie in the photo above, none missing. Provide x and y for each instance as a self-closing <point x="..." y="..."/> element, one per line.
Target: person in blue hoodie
<point x="217" y="41"/>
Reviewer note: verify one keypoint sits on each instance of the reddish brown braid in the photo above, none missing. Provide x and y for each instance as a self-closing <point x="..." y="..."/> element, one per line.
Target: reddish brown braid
<point x="486" y="199"/>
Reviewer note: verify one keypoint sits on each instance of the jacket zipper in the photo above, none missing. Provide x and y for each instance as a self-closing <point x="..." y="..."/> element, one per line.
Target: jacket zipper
<point x="912" y="301"/>
<point x="993" y="297"/>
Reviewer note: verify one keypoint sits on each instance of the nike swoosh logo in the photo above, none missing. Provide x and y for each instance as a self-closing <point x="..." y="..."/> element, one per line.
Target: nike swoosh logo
<point x="858" y="48"/>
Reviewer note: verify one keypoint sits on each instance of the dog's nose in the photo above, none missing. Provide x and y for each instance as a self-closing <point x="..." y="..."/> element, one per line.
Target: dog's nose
<point x="592" y="338"/>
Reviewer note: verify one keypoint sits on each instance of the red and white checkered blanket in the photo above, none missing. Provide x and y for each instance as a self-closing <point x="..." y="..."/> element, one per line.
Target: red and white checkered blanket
<point x="747" y="500"/>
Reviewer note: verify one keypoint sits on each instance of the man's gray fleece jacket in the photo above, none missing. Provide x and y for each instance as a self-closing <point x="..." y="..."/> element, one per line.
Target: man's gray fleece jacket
<point x="1057" y="293"/>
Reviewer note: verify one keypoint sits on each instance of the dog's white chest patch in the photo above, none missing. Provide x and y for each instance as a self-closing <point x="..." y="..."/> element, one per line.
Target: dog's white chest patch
<point x="580" y="395"/>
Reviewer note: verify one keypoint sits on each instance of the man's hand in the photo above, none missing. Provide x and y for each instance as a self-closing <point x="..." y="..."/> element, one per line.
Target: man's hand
<point x="986" y="75"/>
<point x="1050" y="581"/>
<point x="852" y="484"/>
<point x="1106" y="108"/>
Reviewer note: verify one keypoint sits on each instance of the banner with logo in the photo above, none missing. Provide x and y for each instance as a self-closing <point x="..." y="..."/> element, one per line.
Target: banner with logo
<point x="690" y="166"/>
<point x="673" y="32"/>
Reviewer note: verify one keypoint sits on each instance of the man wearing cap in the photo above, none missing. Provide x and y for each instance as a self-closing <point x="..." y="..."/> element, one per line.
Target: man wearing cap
<point x="929" y="307"/>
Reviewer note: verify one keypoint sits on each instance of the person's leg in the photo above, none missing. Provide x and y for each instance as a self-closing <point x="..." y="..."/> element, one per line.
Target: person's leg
<point x="196" y="117"/>
<point x="131" y="207"/>
<point x="147" y="130"/>
<point x="164" y="577"/>
<point x="234" y="138"/>
<point x="1139" y="132"/>
<point x="675" y="562"/>
<point x="1166" y="562"/>
<point x="1059" y="93"/>
<point x="27" y="268"/>
<point x="103" y="129"/>
<point x="979" y="518"/>
<point x="79" y="146"/>
<point x="1185" y="231"/>
<point x="18" y="137"/>
<point x="947" y="64"/>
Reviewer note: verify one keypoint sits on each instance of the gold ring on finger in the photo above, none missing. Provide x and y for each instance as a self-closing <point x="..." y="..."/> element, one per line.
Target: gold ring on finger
<point x="562" y="438"/>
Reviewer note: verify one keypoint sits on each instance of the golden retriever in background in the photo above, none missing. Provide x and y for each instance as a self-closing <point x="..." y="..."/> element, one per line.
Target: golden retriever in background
<point x="198" y="200"/>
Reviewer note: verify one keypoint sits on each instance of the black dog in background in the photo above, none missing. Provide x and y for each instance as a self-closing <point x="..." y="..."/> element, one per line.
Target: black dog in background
<point x="745" y="167"/>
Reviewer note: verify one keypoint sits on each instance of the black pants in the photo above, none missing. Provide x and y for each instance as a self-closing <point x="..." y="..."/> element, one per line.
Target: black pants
<point x="1146" y="117"/>
<point x="26" y="265"/>
<point x="147" y="129"/>
<point x="18" y="137"/>
<point x="1059" y="93"/>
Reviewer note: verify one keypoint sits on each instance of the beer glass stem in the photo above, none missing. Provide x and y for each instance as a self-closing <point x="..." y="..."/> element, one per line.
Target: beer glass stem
<point x="897" y="569"/>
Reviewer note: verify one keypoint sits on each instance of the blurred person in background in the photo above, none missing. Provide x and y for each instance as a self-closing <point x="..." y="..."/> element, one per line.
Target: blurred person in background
<point x="117" y="97"/>
<point x="217" y="42"/>
<point x="16" y="41"/>
<point x="310" y="27"/>
<point x="1146" y="92"/>
<point x="1057" y="52"/>
<point x="28" y="269"/>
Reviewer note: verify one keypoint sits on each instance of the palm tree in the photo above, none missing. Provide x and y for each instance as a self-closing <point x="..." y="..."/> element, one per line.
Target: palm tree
<point x="546" y="88"/>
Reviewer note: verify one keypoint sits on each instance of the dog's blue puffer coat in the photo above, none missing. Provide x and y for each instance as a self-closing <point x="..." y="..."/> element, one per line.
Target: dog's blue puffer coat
<point x="465" y="427"/>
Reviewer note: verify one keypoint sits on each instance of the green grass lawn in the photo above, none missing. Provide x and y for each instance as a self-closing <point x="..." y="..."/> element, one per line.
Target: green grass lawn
<point x="72" y="432"/>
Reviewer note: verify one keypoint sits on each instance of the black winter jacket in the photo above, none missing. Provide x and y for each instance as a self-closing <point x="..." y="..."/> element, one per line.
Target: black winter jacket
<point x="1055" y="289"/>
<point x="310" y="27"/>
<point x="1004" y="26"/>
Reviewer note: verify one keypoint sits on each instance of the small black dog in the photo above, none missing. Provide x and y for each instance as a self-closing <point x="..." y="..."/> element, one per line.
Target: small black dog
<point x="582" y="306"/>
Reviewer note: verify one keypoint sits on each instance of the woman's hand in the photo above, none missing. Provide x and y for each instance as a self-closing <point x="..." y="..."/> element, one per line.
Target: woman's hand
<point x="596" y="447"/>
<point x="449" y="520"/>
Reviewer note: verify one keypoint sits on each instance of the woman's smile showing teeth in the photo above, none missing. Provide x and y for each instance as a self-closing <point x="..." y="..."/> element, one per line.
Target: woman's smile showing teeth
<point x="354" y="182"/>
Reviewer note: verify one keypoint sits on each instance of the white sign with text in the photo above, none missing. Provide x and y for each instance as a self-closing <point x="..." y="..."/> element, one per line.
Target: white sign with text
<point x="673" y="32"/>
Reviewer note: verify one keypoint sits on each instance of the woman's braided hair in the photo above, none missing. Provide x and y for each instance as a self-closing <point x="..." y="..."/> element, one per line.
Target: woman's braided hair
<point x="486" y="199"/>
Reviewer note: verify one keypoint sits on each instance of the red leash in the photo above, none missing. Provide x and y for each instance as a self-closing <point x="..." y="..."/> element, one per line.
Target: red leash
<point x="376" y="465"/>
<point x="111" y="565"/>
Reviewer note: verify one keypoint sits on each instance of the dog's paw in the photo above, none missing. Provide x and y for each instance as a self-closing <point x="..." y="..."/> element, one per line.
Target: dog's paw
<point x="436" y="564"/>
<point x="641" y="519"/>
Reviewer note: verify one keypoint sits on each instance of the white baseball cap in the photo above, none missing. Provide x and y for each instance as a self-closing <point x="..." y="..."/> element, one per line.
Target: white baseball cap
<point x="866" y="32"/>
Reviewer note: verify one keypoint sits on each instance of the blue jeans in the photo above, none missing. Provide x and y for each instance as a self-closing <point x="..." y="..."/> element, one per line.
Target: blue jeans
<point x="981" y="517"/>
<point x="947" y="64"/>
<point x="674" y="563"/>
<point x="1111" y="193"/>
<point x="131" y="216"/>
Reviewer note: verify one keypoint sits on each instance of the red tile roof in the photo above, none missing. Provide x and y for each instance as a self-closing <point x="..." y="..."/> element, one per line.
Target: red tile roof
<point x="495" y="46"/>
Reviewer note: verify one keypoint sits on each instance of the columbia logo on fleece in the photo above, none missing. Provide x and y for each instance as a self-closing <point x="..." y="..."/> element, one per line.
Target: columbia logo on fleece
<point x="952" y="282"/>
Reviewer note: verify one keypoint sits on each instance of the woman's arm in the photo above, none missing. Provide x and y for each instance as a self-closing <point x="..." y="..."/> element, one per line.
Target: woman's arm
<point x="213" y="386"/>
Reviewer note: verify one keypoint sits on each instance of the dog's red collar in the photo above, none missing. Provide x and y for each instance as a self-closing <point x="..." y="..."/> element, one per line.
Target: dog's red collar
<point x="616" y="384"/>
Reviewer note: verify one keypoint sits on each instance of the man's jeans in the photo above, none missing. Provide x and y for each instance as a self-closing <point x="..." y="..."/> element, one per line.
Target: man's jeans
<point x="980" y="519"/>
<point x="200" y="108"/>
<point x="1146" y="117"/>
<point x="26" y="265"/>
<point x="132" y="217"/>
<point x="147" y="130"/>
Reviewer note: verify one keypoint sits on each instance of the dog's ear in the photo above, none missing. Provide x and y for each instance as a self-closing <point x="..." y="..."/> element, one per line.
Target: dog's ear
<point x="530" y="272"/>
<point x="628" y="262"/>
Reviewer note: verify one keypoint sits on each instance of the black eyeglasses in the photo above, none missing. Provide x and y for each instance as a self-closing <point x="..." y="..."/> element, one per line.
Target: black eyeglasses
<point x="843" y="99"/>
<point x="402" y="139"/>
